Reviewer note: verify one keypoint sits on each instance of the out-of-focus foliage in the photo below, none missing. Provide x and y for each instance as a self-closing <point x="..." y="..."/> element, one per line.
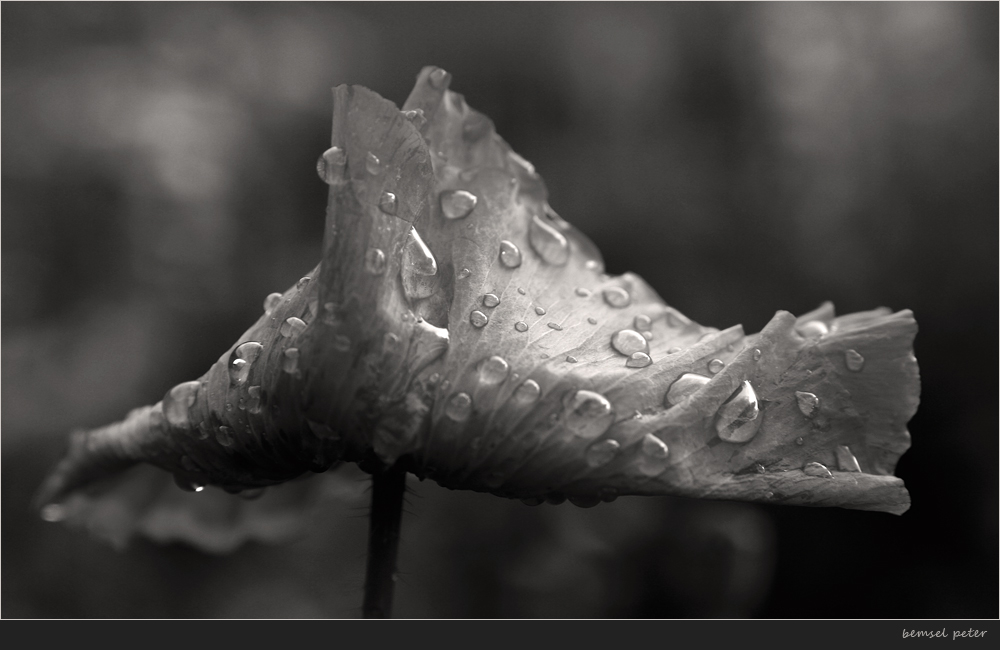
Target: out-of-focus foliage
<point x="157" y="184"/>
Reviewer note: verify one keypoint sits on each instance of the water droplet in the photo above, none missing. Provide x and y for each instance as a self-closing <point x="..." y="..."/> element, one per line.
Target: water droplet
<point x="388" y="203"/>
<point x="585" y="502"/>
<point x="817" y="469"/>
<point x="251" y="494"/>
<point x="390" y="341"/>
<point x="647" y="335"/>
<point x="756" y="354"/>
<point x="330" y="313"/>
<point x="292" y="327"/>
<point x="544" y="355"/>
<point x="510" y="254"/>
<point x="855" y="362"/>
<point x="846" y="460"/>
<point x="592" y="320"/>
<point x="652" y="457"/>
<point x="583" y="293"/>
<point x="617" y="297"/>
<point x="570" y="358"/>
<point x="540" y="311"/>
<point x="685" y="386"/>
<point x="533" y="501"/>
<point x="439" y="79"/>
<point x="760" y="469"/>
<point x="638" y="360"/>
<point x="550" y="244"/>
<point x="241" y="359"/>
<point x="272" y="301"/>
<point x="588" y="414"/>
<point x="643" y="322"/>
<point x="416" y="117"/>
<point x="521" y="326"/>
<point x="242" y="404"/>
<point x="556" y="326"/>
<point x="341" y="343"/>
<point x="478" y="319"/>
<point x="463" y="273"/>
<point x="629" y="341"/>
<point x="224" y="436"/>
<point x="800" y="441"/>
<point x="493" y="480"/>
<point x="178" y="402"/>
<point x="457" y="204"/>
<point x="372" y="164"/>
<point x="53" y="512"/>
<point x="419" y="267"/>
<point x="608" y="494"/>
<point x="521" y="291"/>
<point x="330" y="165"/>
<point x="737" y="419"/>
<point x="303" y="281"/>
<point x="555" y="498"/>
<point x="813" y="329"/>
<point x="594" y="265"/>
<point x="808" y="403"/>
<point x="715" y="365"/>
<point x="491" y="300"/>
<point x="459" y="407"/>
<point x="527" y="392"/>
<point x="290" y="361"/>
<point x="493" y="370"/>
<point x="674" y="350"/>
<point x="375" y="261"/>
<point x="602" y="453"/>
<point x="253" y="405"/>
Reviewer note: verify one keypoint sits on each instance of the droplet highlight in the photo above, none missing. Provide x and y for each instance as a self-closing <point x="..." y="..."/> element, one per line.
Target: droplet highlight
<point x="808" y="403"/>
<point x="602" y="453"/>
<point x="510" y="254"/>
<point x="457" y="204"/>
<point x="628" y="342"/>
<point x="458" y="407"/>
<point x="683" y="387"/>
<point x="617" y="297"/>
<point x="241" y="360"/>
<point x="738" y="419"/>
<point x="588" y="414"/>
<point x="550" y="244"/>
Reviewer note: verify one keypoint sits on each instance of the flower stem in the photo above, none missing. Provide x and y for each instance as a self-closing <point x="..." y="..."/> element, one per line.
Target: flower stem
<point x="388" y="486"/>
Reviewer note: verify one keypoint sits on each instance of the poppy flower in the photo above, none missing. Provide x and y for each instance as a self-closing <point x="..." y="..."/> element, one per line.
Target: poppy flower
<point x="459" y="329"/>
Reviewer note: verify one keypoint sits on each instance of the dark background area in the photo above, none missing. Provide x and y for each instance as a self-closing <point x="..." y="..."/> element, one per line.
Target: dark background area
<point x="743" y="158"/>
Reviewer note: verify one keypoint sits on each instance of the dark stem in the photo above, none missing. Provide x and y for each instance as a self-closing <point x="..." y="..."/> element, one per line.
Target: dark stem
<point x="383" y="541"/>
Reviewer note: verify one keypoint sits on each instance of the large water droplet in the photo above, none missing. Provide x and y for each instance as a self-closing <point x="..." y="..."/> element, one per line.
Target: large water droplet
<point x="419" y="267"/>
<point x="683" y="387"/>
<point x="528" y="392"/>
<point x="855" y="362"/>
<point x="510" y="254"/>
<point x="290" y="361"/>
<point x="457" y="204"/>
<point x="375" y="261"/>
<point x="808" y="403"/>
<point x="813" y="329"/>
<point x="817" y="469"/>
<point x="617" y="297"/>
<point x="628" y="342"/>
<point x="550" y="244"/>
<point x="459" y="407"/>
<point x="372" y="164"/>
<point x="388" y="203"/>
<point x="521" y="326"/>
<point x="292" y="327"/>
<point x="178" y="402"/>
<point x="493" y="370"/>
<point x="652" y="457"/>
<point x="588" y="414"/>
<point x="643" y="322"/>
<point x="638" y="360"/>
<point x="272" y="301"/>
<point x="478" y="319"/>
<point x="330" y="165"/>
<point x="715" y="365"/>
<point x="491" y="300"/>
<point x="738" y="418"/>
<point x="846" y="460"/>
<point x="602" y="453"/>
<point x="241" y="359"/>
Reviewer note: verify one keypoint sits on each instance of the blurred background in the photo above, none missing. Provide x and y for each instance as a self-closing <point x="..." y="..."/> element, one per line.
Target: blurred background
<point x="158" y="182"/>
